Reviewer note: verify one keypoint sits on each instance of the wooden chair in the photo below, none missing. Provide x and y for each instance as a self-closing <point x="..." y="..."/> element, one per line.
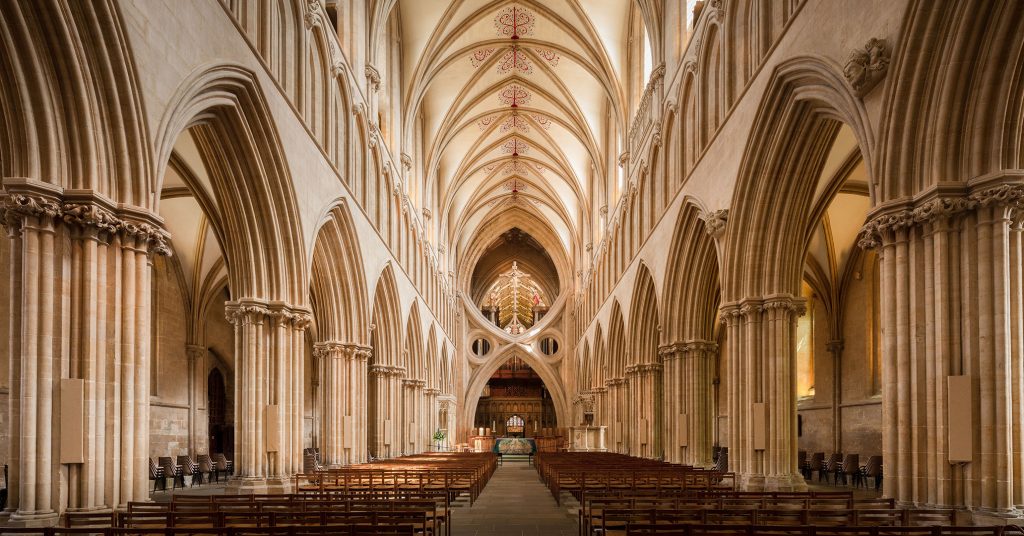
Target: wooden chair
<point x="172" y="470"/>
<point x="849" y="467"/>
<point x="873" y="469"/>
<point x="156" y="474"/>
<point x="830" y="466"/>
<point x="817" y="463"/>
<point x="207" y="466"/>
<point x="224" y="465"/>
<point x="190" y="468"/>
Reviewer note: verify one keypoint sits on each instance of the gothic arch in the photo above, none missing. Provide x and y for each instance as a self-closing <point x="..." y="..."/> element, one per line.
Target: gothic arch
<point x="550" y="376"/>
<point x="387" y="336"/>
<point x="69" y="122"/>
<point x="692" y="294"/>
<point x="223" y="107"/>
<point x="338" y="287"/>
<point x="958" y="119"/>
<point x="803" y="108"/>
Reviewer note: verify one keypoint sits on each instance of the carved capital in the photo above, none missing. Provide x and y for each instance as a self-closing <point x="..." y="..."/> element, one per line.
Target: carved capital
<point x="788" y="304"/>
<point x="90" y="217"/>
<point x="867" y="65"/>
<point x="18" y="207"/>
<point x="195" y="352"/>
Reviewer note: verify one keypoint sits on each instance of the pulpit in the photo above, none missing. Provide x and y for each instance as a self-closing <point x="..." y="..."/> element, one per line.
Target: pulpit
<point x="587" y="439"/>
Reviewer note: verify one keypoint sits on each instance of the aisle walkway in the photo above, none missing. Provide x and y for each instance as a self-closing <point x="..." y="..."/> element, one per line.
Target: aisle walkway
<point x="514" y="503"/>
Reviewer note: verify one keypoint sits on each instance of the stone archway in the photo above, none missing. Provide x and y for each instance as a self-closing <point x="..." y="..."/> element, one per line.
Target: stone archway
<point x="482" y="375"/>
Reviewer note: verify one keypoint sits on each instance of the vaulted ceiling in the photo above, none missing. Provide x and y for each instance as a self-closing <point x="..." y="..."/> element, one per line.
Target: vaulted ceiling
<point x="514" y="104"/>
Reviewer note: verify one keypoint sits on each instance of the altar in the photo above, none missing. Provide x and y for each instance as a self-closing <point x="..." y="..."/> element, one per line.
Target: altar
<point x="525" y="446"/>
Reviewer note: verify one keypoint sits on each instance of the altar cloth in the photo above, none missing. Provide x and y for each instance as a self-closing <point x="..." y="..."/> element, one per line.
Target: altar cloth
<point x="515" y="445"/>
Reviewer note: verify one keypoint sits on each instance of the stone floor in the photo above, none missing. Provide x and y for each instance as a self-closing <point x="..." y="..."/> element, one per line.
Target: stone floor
<point x="514" y="502"/>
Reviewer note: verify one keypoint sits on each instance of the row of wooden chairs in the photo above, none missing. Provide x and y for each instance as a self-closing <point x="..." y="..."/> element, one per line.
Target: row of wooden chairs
<point x="204" y="468"/>
<point x="669" y="529"/>
<point x="583" y="473"/>
<point x="617" y="521"/>
<point x="292" y="530"/>
<point x="455" y="473"/>
<point x="593" y="507"/>
<point x="841" y="469"/>
<point x="427" y="517"/>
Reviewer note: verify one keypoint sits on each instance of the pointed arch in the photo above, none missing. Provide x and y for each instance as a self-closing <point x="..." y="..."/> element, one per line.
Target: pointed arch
<point x="644" y="319"/>
<point x="692" y="295"/>
<point x="804" y="105"/>
<point x="386" y="328"/>
<point x="414" y="347"/>
<point x="338" y="286"/>
<point x="224" y="109"/>
<point x="69" y="103"/>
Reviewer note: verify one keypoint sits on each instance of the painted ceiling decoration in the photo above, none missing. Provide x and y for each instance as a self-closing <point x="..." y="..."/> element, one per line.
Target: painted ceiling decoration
<point x="514" y="21"/>
<point x="530" y="90"/>
<point x="514" y="96"/>
<point x="515" y="147"/>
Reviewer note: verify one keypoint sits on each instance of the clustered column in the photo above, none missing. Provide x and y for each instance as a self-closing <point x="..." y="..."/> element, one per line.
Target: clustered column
<point x="687" y="377"/>
<point x="430" y="422"/>
<point x="269" y="352"/>
<point x="645" y="409"/>
<point x="951" y="264"/>
<point x="614" y="402"/>
<point x="80" y="312"/>
<point x="387" y="397"/>
<point x="762" y="392"/>
<point x="342" y="376"/>
<point x="412" y="424"/>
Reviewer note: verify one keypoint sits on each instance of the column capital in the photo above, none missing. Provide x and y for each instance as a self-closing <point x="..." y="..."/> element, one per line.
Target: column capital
<point x="643" y="368"/>
<point x="195" y="351"/>
<point x="689" y="348"/>
<point x="257" y="311"/>
<point x="18" y="207"/>
<point x="340" y="350"/>
<point x="834" y="346"/>
<point x="937" y="205"/>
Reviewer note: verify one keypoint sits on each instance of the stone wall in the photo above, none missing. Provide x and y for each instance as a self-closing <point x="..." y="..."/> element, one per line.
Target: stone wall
<point x="860" y="410"/>
<point x="168" y="421"/>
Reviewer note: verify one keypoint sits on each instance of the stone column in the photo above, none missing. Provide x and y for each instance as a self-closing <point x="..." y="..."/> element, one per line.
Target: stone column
<point x="358" y="402"/>
<point x="388" y="400"/>
<point x="78" y="263"/>
<point x="686" y="378"/>
<point x="411" y="422"/>
<point x="610" y="400"/>
<point x="951" y="263"/>
<point x="269" y="354"/>
<point x="835" y="347"/>
<point x="646" y="400"/>
<point x="430" y="421"/>
<point x="329" y="357"/>
<point x="1016" y="334"/>
<point x="762" y="393"/>
<point x="35" y="310"/>
<point x="196" y="354"/>
<point x="342" y="401"/>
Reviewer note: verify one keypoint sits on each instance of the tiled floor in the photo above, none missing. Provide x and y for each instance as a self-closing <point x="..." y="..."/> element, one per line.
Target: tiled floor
<point x="514" y="502"/>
